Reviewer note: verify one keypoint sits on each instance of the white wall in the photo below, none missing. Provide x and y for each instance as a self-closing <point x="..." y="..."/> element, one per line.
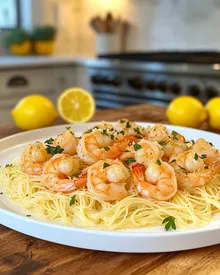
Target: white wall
<point x="155" y="24"/>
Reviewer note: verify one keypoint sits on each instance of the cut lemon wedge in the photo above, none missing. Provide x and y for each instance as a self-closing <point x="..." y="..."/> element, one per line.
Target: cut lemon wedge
<point x="76" y="105"/>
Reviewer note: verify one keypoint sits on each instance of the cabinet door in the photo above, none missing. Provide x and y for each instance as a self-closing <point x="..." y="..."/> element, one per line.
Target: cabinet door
<point x="64" y="77"/>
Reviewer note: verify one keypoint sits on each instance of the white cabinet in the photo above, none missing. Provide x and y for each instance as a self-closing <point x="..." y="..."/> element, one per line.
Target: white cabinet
<point x="49" y="81"/>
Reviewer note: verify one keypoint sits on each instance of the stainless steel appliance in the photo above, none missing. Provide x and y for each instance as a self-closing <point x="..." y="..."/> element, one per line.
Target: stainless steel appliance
<point x="125" y="79"/>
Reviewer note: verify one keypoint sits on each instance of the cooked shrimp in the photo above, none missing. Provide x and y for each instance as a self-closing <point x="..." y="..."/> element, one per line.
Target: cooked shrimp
<point x="191" y="171"/>
<point x="100" y="144"/>
<point x="158" y="181"/>
<point x="158" y="133"/>
<point x="57" y="173"/>
<point x="128" y="128"/>
<point x="205" y="150"/>
<point x="102" y="125"/>
<point x="66" y="141"/>
<point x="143" y="152"/>
<point x="33" y="158"/>
<point x="173" y="147"/>
<point x="107" y="180"/>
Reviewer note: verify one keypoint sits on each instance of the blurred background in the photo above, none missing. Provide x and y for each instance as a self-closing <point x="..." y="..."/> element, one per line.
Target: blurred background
<point x="123" y="52"/>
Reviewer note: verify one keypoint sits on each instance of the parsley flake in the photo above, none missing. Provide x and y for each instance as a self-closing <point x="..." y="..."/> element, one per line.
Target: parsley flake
<point x="1" y="193"/>
<point x="68" y="127"/>
<point x="173" y="161"/>
<point x="137" y="130"/>
<point x="193" y="141"/>
<point x="169" y="223"/>
<point x="130" y="160"/>
<point x="106" y="148"/>
<point x="49" y="141"/>
<point x="206" y="167"/>
<point x="210" y="143"/>
<point x="76" y="175"/>
<point x="163" y="142"/>
<point x="122" y="132"/>
<point x="137" y="146"/>
<point x="196" y="156"/>
<point x="126" y="151"/>
<point x="175" y="135"/>
<point x="138" y="137"/>
<point x="28" y="215"/>
<point x="203" y="156"/>
<point x="158" y="162"/>
<point x="8" y="165"/>
<point x="122" y="121"/>
<point x="128" y="125"/>
<point x="73" y="200"/>
<point x="105" y="165"/>
<point x="104" y="132"/>
<point x="89" y="131"/>
<point x="112" y="137"/>
<point x="54" y="150"/>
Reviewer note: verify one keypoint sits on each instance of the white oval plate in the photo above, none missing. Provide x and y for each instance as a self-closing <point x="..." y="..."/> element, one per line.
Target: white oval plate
<point x="153" y="239"/>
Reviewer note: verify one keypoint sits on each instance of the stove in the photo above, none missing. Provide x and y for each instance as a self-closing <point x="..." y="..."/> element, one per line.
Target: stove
<point x="118" y="80"/>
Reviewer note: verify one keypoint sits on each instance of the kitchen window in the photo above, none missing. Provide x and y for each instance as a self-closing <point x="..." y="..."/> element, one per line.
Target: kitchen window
<point x="9" y="14"/>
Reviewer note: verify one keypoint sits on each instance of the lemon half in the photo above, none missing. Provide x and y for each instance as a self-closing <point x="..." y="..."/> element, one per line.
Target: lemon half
<point x="76" y="105"/>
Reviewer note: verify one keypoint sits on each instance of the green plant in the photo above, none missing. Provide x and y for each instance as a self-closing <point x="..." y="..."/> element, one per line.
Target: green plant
<point x="46" y="33"/>
<point x="15" y="36"/>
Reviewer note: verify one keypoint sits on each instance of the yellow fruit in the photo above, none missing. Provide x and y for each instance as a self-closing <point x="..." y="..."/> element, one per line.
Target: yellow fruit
<point x="186" y="111"/>
<point x="34" y="111"/>
<point x="213" y="109"/>
<point x="76" y="105"/>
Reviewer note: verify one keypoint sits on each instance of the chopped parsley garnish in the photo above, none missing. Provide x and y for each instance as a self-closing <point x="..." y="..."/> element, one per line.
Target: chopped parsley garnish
<point x="203" y="156"/>
<point x="89" y="131"/>
<point x="163" y="142"/>
<point x="130" y="160"/>
<point x="175" y="135"/>
<point x="104" y="132"/>
<point x="73" y="200"/>
<point x="169" y="223"/>
<point x="126" y="151"/>
<point x="105" y="165"/>
<point x="49" y="141"/>
<point x="137" y="130"/>
<point x="193" y="141"/>
<point x="76" y="175"/>
<point x="196" y="156"/>
<point x="206" y="167"/>
<point x="128" y="125"/>
<point x="1" y="193"/>
<point x="68" y="127"/>
<point x="96" y="127"/>
<point x="137" y="146"/>
<point x="138" y="137"/>
<point x="112" y="137"/>
<point x="28" y="215"/>
<point x="54" y="150"/>
<point x="184" y="170"/>
<point x="158" y="162"/>
<point x="122" y="121"/>
<point x="8" y="165"/>
<point x="122" y="132"/>
<point x="173" y="161"/>
<point x="210" y="143"/>
<point x="106" y="148"/>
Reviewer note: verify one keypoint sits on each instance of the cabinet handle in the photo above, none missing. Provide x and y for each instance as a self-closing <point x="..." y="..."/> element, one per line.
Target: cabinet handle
<point x="17" y="81"/>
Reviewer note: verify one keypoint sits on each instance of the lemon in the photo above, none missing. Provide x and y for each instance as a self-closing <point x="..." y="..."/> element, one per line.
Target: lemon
<point x="34" y="111"/>
<point x="213" y="109"/>
<point x="186" y="111"/>
<point x="76" y="105"/>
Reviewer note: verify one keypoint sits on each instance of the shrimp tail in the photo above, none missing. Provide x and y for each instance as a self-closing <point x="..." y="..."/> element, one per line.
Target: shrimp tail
<point x="138" y="173"/>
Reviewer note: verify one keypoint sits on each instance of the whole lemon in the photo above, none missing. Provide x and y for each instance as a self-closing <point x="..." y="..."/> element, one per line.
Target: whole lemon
<point x="34" y="111"/>
<point x="213" y="109"/>
<point x="186" y="111"/>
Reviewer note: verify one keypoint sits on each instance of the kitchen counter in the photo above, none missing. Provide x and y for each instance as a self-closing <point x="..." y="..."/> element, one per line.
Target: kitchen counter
<point x="22" y="254"/>
<point x="12" y="62"/>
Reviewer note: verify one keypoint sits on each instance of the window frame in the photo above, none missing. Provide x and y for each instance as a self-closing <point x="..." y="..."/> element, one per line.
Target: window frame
<point x="18" y="12"/>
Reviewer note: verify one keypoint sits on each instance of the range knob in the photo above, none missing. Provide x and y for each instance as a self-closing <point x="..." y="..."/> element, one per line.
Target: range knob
<point x="96" y="79"/>
<point x="176" y="88"/>
<point x="136" y="82"/>
<point x="116" y="81"/>
<point x="163" y="86"/>
<point x="151" y="84"/>
<point x="194" y="90"/>
<point x="211" y="92"/>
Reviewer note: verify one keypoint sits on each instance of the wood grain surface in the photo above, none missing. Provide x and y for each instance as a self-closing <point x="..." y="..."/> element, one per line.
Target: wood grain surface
<point x="24" y="255"/>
